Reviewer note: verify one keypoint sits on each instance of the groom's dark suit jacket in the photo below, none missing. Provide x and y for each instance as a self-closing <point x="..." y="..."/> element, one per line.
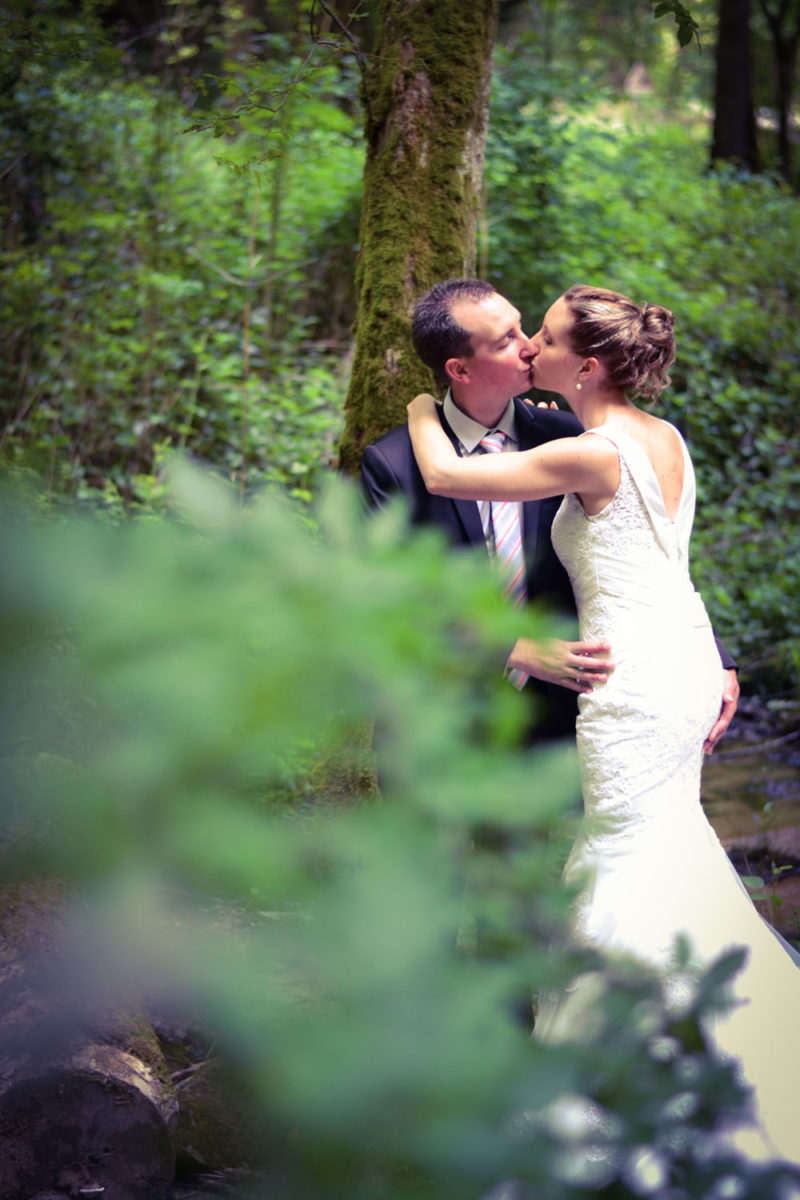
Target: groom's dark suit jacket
<point x="388" y="468"/>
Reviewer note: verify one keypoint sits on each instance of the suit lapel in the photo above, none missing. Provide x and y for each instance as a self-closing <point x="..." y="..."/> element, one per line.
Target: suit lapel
<point x="466" y="511"/>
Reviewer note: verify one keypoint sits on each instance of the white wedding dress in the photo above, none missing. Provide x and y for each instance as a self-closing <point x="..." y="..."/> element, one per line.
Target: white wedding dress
<point x="649" y="864"/>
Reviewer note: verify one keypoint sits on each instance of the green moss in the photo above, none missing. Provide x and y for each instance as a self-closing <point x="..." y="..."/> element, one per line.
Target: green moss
<point x="348" y="774"/>
<point x="134" y="1033"/>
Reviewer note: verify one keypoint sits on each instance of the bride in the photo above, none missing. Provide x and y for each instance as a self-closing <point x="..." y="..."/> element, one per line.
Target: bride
<point x="648" y="863"/>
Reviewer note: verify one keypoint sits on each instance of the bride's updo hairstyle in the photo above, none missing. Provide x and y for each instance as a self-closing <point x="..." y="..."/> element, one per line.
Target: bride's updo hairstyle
<point x="635" y="343"/>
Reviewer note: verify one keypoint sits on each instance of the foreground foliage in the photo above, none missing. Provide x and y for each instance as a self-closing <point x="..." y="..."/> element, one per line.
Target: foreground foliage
<point x="166" y="687"/>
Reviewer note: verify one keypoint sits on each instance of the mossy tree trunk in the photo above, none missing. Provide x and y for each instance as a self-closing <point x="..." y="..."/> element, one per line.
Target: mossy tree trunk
<point x="426" y="104"/>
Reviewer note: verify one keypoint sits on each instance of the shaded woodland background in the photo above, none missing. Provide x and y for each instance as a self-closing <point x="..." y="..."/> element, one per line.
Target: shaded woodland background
<point x="199" y="629"/>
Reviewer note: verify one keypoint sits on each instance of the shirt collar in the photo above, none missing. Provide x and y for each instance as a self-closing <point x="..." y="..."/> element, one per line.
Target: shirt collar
<point x="469" y="432"/>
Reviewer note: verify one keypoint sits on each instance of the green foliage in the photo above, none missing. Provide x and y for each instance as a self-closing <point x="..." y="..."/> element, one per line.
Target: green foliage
<point x="612" y="44"/>
<point x="161" y="683"/>
<point x="156" y="290"/>
<point x="632" y="207"/>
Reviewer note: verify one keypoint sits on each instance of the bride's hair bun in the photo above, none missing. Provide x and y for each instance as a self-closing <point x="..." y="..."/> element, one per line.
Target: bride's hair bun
<point x="658" y="324"/>
<point x="635" y="343"/>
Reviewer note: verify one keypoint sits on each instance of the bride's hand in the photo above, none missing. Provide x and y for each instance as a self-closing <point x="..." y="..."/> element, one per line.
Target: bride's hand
<point x="421" y="406"/>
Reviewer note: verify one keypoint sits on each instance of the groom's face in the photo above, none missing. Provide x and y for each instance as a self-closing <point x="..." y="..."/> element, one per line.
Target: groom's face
<point x="500" y="365"/>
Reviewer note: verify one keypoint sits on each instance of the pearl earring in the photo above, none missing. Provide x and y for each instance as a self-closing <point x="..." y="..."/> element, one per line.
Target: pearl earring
<point x="578" y="386"/>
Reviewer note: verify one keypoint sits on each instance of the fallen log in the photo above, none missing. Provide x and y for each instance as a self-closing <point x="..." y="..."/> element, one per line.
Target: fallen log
<point x="87" y="1107"/>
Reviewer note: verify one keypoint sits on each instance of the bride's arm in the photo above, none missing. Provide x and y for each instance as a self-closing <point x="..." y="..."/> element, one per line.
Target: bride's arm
<point x="584" y="464"/>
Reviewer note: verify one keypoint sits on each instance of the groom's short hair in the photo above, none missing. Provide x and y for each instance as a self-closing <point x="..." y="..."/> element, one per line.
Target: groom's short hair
<point x="434" y="332"/>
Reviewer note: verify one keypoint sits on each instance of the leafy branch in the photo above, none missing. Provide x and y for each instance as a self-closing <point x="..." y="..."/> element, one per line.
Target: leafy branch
<point x="687" y="26"/>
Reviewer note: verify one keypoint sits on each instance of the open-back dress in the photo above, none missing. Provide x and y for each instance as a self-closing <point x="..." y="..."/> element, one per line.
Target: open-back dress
<point x="649" y="863"/>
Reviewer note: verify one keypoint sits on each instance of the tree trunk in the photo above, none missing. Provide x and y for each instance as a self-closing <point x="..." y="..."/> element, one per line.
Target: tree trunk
<point x="784" y="26"/>
<point x="786" y="60"/>
<point x="734" y="122"/>
<point x="86" y="1105"/>
<point x="426" y="101"/>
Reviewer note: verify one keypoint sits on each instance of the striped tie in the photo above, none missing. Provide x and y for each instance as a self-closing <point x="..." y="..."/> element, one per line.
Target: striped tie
<point x="507" y="537"/>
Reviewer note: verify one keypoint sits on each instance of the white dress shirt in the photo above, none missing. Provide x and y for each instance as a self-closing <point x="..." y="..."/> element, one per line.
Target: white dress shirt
<point x="469" y="434"/>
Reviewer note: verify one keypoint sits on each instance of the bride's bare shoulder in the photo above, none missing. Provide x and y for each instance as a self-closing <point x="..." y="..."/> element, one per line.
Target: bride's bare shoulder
<point x="600" y="445"/>
<point x="657" y="437"/>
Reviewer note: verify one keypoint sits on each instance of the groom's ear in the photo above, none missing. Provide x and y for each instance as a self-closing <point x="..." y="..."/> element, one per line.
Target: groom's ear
<point x="457" y="370"/>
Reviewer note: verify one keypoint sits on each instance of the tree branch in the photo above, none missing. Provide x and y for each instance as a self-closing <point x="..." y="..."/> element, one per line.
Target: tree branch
<point x="357" y="51"/>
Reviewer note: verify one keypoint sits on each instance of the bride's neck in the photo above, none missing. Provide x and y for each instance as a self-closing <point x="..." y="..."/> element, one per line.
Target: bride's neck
<point x="599" y="408"/>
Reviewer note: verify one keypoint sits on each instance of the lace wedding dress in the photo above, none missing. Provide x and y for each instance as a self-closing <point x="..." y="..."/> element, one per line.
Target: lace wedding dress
<point x="648" y="862"/>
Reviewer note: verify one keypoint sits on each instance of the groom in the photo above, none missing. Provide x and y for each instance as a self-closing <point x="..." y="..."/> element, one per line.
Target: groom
<point x="471" y="337"/>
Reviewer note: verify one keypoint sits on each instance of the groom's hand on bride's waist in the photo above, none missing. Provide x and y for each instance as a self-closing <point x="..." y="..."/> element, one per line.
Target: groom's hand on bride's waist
<point x="730" y="698"/>
<point x="578" y="666"/>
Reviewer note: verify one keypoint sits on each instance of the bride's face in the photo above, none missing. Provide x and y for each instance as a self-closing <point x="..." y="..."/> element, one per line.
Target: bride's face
<point x="555" y="363"/>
